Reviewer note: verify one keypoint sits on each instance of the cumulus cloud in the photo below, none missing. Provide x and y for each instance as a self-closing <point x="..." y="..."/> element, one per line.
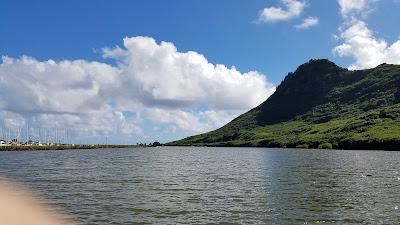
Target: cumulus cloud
<point x="149" y="82"/>
<point x="159" y="75"/>
<point x="292" y="9"/>
<point x="190" y="121"/>
<point x="308" y="23"/>
<point x="367" y="50"/>
<point x="350" y="8"/>
<point x="60" y="94"/>
<point x="30" y="86"/>
<point x="359" y="42"/>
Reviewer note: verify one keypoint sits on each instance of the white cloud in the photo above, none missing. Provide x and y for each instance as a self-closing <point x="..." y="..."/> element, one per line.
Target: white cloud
<point x="293" y="8"/>
<point x="150" y="82"/>
<point x="11" y="120"/>
<point x="351" y="7"/>
<point x="348" y="6"/>
<point x="30" y="86"/>
<point x="359" y="42"/>
<point x="159" y="75"/>
<point x="69" y="94"/>
<point x="367" y="50"/>
<point x="308" y="22"/>
<point x="190" y="121"/>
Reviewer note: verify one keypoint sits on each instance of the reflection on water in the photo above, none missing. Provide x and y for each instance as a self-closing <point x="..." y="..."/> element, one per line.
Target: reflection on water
<point x="214" y="185"/>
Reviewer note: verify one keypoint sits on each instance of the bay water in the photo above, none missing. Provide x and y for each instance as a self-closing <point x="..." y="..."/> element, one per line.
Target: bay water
<point x="196" y="185"/>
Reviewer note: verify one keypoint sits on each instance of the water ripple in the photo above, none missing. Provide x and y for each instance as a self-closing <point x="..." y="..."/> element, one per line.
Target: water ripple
<point x="214" y="186"/>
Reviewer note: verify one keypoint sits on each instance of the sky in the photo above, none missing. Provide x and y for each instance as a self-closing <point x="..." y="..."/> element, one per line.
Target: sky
<point x="142" y="71"/>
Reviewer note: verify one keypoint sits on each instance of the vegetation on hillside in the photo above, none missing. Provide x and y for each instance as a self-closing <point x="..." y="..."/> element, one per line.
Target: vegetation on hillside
<point x="320" y="105"/>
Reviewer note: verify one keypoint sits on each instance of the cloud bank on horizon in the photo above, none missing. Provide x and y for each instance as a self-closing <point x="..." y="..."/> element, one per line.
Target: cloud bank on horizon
<point x="151" y="82"/>
<point x="152" y="85"/>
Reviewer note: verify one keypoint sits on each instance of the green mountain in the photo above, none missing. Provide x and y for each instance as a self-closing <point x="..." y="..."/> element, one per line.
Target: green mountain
<point x="320" y="105"/>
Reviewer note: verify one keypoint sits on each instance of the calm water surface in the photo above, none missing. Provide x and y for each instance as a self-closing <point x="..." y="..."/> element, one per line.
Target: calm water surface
<point x="214" y="185"/>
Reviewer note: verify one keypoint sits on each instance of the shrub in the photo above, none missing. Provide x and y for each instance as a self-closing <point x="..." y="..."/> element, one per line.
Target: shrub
<point x="325" y="146"/>
<point x="303" y="146"/>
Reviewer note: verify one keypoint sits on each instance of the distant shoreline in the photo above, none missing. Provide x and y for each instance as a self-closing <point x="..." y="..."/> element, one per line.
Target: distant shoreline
<point x="64" y="147"/>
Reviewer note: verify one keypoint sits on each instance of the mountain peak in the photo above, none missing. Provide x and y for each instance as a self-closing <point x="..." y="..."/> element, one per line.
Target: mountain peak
<point x="320" y="61"/>
<point x="317" y="66"/>
<point x="301" y="91"/>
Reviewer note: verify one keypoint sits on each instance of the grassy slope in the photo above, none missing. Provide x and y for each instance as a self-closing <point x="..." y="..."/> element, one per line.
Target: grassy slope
<point x="350" y="110"/>
<point x="376" y="129"/>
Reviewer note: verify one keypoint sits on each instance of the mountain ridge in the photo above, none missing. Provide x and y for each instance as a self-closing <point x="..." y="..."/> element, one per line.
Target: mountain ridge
<point x="320" y="105"/>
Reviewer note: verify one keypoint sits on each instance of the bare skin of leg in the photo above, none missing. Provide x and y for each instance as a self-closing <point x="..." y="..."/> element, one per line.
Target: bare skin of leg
<point x="20" y="207"/>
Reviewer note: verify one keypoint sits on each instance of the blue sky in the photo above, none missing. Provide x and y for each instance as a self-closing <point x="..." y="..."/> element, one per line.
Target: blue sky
<point x="230" y="33"/>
